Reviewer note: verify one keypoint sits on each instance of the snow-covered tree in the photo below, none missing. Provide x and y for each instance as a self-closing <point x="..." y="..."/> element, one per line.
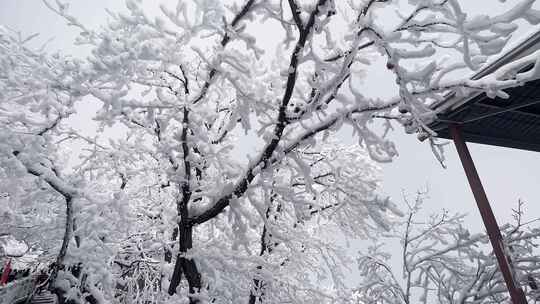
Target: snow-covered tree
<point x="33" y="102"/>
<point x="442" y="262"/>
<point x="43" y="203"/>
<point x="174" y="205"/>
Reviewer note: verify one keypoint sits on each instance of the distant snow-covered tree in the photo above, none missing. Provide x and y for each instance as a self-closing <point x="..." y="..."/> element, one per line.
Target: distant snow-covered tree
<point x="442" y="262"/>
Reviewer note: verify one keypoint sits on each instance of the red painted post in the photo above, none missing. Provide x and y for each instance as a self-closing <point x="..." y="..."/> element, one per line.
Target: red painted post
<point x="495" y="237"/>
<point x="5" y="273"/>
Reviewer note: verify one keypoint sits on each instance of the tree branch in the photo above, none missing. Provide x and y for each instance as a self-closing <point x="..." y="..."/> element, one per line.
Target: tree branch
<point x="264" y="158"/>
<point x="224" y="41"/>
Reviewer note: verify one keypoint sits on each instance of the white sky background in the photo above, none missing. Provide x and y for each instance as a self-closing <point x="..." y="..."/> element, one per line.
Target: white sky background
<point x="507" y="174"/>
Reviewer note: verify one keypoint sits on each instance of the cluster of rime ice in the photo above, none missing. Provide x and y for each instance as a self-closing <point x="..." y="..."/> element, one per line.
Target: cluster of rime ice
<point x="170" y="212"/>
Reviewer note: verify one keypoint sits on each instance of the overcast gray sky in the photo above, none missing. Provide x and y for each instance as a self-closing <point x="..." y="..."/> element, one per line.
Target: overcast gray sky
<point x="507" y="174"/>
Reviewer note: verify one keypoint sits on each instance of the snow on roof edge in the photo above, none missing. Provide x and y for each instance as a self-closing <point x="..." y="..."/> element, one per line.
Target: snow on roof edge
<point x="516" y="48"/>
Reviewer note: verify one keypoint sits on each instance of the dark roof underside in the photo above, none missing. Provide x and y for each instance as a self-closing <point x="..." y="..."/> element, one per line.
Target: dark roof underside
<point x="512" y="122"/>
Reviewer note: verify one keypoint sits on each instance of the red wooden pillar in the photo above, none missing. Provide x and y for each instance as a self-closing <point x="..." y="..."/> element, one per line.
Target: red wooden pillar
<point x="495" y="237"/>
<point x="5" y="273"/>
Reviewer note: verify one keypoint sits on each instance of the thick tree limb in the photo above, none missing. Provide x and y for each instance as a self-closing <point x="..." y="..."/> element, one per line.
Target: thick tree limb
<point x="65" y="190"/>
<point x="264" y="158"/>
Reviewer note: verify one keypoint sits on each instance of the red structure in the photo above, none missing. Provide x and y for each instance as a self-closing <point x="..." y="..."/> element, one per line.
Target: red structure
<point x="513" y="122"/>
<point x="516" y="293"/>
<point x="5" y="273"/>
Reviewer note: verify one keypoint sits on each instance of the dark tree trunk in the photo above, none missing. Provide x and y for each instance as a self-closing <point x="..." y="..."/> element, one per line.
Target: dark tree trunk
<point x="168" y="253"/>
<point x="59" y="263"/>
<point x="256" y="295"/>
<point x="186" y="266"/>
